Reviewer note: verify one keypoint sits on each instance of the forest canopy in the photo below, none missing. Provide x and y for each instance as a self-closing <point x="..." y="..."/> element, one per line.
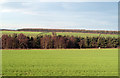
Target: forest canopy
<point x="54" y="41"/>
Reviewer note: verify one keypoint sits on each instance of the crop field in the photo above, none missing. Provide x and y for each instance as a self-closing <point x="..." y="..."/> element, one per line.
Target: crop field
<point x="60" y="62"/>
<point x="34" y="34"/>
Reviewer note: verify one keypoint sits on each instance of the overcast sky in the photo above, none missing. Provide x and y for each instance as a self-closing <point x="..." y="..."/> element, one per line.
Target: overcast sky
<point x="57" y="15"/>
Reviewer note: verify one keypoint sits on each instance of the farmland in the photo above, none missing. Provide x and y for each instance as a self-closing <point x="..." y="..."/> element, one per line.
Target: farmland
<point x="60" y="62"/>
<point x="34" y="34"/>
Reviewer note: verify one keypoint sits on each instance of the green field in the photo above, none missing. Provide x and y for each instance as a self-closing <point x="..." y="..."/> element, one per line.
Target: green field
<point x="34" y="34"/>
<point x="60" y="62"/>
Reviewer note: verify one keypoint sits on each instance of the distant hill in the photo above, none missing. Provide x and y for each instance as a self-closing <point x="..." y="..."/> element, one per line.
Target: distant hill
<point x="63" y="30"/>
<point x="7" y="30"/>
<point x="69" y="30"/>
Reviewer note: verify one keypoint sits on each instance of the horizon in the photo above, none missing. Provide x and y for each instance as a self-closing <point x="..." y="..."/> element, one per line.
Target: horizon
<point x="60" y="29"/>
<point x="60" y="15"/>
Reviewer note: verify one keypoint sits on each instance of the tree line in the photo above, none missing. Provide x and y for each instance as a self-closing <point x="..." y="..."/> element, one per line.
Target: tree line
<point x="70" y="30"/>
<point x="22" y="41"/>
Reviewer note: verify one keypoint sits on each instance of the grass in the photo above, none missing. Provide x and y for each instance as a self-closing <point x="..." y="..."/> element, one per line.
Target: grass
<point x="60" y="62"/>
<point x="87" y="34"/>
<point x="34" y="34"/>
